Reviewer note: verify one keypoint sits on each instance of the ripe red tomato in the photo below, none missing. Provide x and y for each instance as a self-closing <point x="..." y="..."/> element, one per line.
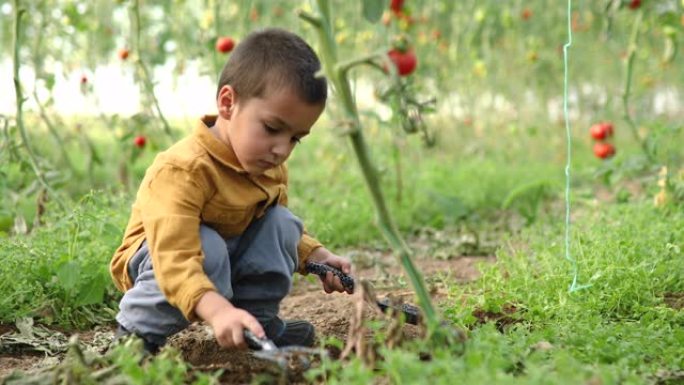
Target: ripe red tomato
<point x="139" y="141"/>
<point x="609" y="128"/>
<point x="123" y="53"/>
<point x="224" y="44"/>
<point x="601" y="131"/>
<point x="405" y="61"/>
<point x="526" y="14"/>
<point x="604" y="150"/>
<point x="397" y="5"/>
<point x="634" y="4"/>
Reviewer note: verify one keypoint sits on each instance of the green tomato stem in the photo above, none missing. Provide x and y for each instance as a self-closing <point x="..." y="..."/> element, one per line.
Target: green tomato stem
<point x="18" y="13"/>
<point x="338" y="75"/>
<point x="146" y="77"/>
<point x="631" y="56"/>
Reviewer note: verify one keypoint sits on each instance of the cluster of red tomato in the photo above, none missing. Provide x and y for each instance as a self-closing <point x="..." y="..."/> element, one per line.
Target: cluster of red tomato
<point x="402" y="54"/>
<point x="601" y="132"/>
<point x="403" y="57"/>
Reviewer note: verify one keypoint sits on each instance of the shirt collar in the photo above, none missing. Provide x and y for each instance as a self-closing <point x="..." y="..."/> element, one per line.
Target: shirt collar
<point x="222" y="152"/>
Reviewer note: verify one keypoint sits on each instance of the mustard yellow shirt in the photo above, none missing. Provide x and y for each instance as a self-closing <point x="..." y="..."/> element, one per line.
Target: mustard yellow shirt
<point x="197" y="180"/>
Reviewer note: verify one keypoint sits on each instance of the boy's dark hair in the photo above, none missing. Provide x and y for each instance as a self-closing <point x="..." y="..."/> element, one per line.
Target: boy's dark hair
<point x="271" y="59"/>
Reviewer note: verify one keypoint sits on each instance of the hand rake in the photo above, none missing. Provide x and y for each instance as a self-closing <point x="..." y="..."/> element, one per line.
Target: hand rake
<point x="411" y="313"/>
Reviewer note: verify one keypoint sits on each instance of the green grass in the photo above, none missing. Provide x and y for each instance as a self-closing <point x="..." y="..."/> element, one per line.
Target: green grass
<point x="618" y="330"/>
<point x="435" y="186"/>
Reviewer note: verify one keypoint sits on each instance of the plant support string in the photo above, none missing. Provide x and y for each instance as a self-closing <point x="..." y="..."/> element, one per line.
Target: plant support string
<point x="575" y="271"/>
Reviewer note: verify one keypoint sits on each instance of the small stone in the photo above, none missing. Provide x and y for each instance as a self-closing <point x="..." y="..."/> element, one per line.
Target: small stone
<point x="543" y="346"/>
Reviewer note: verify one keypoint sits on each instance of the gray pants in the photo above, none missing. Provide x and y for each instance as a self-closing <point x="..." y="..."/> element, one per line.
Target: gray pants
<point x="253" y="271"/>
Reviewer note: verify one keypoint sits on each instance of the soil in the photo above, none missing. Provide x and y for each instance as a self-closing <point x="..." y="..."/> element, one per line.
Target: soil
<point x="330" y="314"/>
<point x="503" y="319"/>
<point x="674" y="300"/>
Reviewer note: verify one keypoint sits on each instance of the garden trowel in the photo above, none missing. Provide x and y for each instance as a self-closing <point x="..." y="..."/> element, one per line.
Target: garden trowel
<point x="265" y="348"/>
<point x="411" y="313"/>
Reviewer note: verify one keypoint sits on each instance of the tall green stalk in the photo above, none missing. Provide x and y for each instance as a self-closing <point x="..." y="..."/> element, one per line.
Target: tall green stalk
<point x="53" y="131"/>
<point x="18" y="13"/>
<point x="629" y="72"/>
<point x="338" y="74"/>
<point x="146" y="77"/>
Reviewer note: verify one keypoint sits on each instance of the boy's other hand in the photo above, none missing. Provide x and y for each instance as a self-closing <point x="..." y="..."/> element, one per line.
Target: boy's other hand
<point x="227" y="321"/>
<point x="330" y="282"/>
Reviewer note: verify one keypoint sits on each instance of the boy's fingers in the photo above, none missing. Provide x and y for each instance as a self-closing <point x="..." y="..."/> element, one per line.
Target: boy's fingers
<point x="338" y="285"/>
<point x="223" y="340"/>
<point x="255" y="327"/>
<point x="344" y="266"/>
<point x="327" y="282"/>
<point x="238" y="338"/>
<point x="333" y="283"/>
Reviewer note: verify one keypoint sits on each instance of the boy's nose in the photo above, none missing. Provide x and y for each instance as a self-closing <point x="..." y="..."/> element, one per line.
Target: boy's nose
<point x="281" y="150"/>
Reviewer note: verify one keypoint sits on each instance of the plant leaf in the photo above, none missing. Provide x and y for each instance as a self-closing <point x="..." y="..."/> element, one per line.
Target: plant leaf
<point x="92" y="292"/>
<point x="67" y="275"/>
<point x="372" y="9"/>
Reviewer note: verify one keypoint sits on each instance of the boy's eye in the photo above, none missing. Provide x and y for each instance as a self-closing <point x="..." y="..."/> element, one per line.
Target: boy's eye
<point x="296" y="140"/>
<point x="270" y="129"/>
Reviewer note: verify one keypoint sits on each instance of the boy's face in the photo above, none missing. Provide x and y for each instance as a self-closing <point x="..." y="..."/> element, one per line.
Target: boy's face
<point x="263" y="131"/>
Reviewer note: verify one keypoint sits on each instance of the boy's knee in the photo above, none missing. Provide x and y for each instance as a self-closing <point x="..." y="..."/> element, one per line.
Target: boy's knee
<point x="214" y="248"/>
<point x="281" y="216"/>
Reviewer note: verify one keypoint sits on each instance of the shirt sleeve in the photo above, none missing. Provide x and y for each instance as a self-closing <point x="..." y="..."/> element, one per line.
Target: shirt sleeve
<point x="170" y="207"/>
<point x="306" y="245"/>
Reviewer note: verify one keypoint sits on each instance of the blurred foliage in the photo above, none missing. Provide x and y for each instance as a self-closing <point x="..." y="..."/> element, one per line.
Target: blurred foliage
<point x="496" y="70"/>
<point x="493" y="68"/>
<point x="470" y="46"/>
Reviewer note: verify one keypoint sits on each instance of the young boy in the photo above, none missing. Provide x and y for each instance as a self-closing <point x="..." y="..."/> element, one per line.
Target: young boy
<point x="209" y="237"/>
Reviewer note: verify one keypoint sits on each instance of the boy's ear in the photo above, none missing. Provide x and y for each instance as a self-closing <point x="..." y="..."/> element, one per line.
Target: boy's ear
<point x="225" y="102"/>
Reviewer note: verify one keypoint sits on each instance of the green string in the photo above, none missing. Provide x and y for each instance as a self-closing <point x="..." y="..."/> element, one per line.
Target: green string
<point x="574" y="286"/>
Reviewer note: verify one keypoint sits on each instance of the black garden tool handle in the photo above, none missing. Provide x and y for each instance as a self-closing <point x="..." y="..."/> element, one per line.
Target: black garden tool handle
<point x="411" y="313"/>
<point x="322" y="269"/>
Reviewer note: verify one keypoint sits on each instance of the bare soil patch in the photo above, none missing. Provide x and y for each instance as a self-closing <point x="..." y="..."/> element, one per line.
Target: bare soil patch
<point x="674" y="300"/>
<point x="330" y="314"/>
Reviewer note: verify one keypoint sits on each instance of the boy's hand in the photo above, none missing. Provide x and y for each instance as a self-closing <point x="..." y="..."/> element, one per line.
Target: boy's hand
<point x="229" y="326"/>
<point x="330" y="282"/>
<point x="227" y="321"/>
